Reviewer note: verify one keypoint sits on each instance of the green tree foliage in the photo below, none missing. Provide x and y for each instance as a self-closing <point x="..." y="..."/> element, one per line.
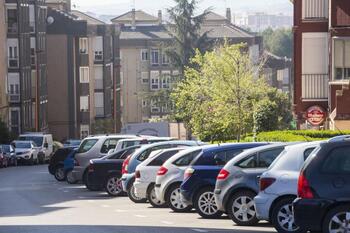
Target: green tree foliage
<point x="5" y="136"/>
<point x="186" y="31"/>
<point x="279" y="41"/>
<point x="220" y="97"/>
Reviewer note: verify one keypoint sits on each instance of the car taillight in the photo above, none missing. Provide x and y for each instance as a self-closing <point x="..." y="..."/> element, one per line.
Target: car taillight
<point x="91" y="167"/>
<point x="266" y="182"/>
<point x="223" y="174"/>
<point x="125" y="165"/>
<point x="304" y="189"/>
<point x="137" y="174"/>
<point x="188" y="173"/>
<point x="162" y="171"/>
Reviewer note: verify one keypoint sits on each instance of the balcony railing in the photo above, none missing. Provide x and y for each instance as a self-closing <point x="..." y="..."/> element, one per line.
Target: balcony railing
<point x="315" y="9"/>
<point x="100" y="111"/>
<point x="315" y="86"/>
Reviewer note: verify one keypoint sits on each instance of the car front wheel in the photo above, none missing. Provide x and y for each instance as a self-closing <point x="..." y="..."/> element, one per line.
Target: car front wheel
<point x="282" y="216"/>
<point x="241" y="209"/>
<point x="205" y="204"/>
<point x="70" y="178"/>
<point x="60" y="174"/>
<point x="337" y="220"/>
<point x="113" y="186"/>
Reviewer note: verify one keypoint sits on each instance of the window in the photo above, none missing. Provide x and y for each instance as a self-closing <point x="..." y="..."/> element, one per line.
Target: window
<point x="166" y="77"/>
<point x="267" y="157"/>
<point x="144" y="155"/>
<point x="315" y="53"/>
<point x="144" y="55"/>
<point x="99" y="104"/>
<point x="307" y="152"/>
<point x="159" y="160"/>
<point x="144" y="78"/>
<point x="225" y="156"/>
<point x="32" y="56"/>
<point x="165" y="58"/>
<point x="144" y="103"/>
<point x="341" y="59"/>
<point x="83" y="45"/>
<point x="249" y="162"/>
<point x="13" y="53"/>
<point x="12" y="20"/>
<point x="155" y="57"/>
<point x="98" y="56"/>
<point x="84" y="103"/>
<point x="84" y="75"/>
<point x="314" y="9"/>
<point x="186" y="159"/>
<point x="87" y="144"/>
<point x="154" y="80"/>
<point x="98" y="70"/>
<point x="338" y="161"/>
<point x="32" y="18"/>
<point x="97" y="44"/>
<point x="108" y="145"/>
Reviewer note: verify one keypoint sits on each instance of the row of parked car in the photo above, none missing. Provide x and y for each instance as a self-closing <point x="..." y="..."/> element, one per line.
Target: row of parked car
<point x="297" y="187"/>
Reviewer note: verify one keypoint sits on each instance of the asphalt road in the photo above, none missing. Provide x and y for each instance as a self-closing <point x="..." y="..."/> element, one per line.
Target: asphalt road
<point x="32" y="201"/>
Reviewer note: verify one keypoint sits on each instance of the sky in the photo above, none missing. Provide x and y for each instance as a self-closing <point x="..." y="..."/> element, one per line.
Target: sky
<point x="117" y="7"/>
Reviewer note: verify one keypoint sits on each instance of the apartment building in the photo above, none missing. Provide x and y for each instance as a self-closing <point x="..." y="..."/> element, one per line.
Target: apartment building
<point x="146" y="70"/>
<point x="322" y="63"/>
<point x="83" y="70"/>
<point x="26" y="87"/>
<point x="3" y="66"/>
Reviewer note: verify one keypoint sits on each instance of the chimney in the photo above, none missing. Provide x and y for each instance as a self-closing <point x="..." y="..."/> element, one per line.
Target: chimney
<point x="228" y="15"/>
<point x="160" y="17"/>
<point x="133" y="19"/>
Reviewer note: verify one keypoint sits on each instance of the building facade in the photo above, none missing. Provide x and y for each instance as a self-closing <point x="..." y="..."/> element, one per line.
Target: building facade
<point x="322" y="63"/>
<point x="3" y="66"/>
<point x="146" y="70"/>
<point x="26" y="65"/>
<point x="83" y="70"/>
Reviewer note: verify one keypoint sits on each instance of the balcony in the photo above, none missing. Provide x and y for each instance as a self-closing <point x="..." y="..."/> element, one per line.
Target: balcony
<point x="314" y="10"/>
<point x="314" y="86"/>
<point x="100" y="111"/>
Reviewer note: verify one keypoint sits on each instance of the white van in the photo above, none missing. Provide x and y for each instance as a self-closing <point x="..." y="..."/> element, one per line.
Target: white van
<point x="43" y="141"/>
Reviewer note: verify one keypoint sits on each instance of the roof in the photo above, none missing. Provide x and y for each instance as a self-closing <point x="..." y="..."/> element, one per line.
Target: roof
<point x="225" y="31"/>
<point x="89" y="19"/>
<point x="145" y="33"/>
<point x="139" y="16"/>
<point x="212" y="16"/>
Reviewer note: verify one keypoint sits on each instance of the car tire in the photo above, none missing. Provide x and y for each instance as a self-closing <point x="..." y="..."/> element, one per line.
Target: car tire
<point x="339" y="212"/>
<point x="85" y="177"/>
<point x="31" y="160"/>
<point x="151" y="197"/>
<point x="132" y="196"/>
<point x="204" y="203"/>
<point x="282" y="211"/>
<point x="70" y="178"/>
<point x="240" y="208"/>
<point x="60" y="175"/>
<point x="113" y="186"/>
<point x="173" y="200"/>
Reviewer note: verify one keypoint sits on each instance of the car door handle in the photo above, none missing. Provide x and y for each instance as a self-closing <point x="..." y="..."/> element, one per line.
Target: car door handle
<point x="339" y="183"/>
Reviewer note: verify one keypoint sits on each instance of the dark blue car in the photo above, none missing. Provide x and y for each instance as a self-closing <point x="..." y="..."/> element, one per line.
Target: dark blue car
<point x="198" y="186"/>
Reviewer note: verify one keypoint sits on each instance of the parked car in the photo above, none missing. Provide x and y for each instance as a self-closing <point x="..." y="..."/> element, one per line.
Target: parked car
<point x="238" y="182"/>
<point x="278" y="187"/>
<point x="105" y="173"/>
<point x="26" y="151"/>
<point x="170" y="176"/>
<point x="43" y="141"/>
<point x="91" y="148"/>
<point x="72" y="143"/>
<point x="56" y="164"/>
<point x="141" y="140"/>
<point x="3" y="159"/>
<point x="141" y="155"/>
<point x="146" y="173"/>
<point x="323" y="202"/>
<point x="9" y="152"/>
<point x="197" y="189"/>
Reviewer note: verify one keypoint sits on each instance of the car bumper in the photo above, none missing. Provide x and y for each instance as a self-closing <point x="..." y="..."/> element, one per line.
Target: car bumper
<point x="263" y="204"/>
<point x="126" y="178"/>
<point x="186" y="197"/>
<point x="140" y="189"/>
<point x="219" y="199"/>
<point x="77" y="173"/>
<point x="23" y="157"/>
<point x="308" y="213"/>
<point x="158" y="189"/>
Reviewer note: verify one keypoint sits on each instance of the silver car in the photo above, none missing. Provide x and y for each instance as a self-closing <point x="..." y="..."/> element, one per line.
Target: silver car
<point x="238" y="182"/>
<point x="92" y="148"/>
<point x="278" y="187"/>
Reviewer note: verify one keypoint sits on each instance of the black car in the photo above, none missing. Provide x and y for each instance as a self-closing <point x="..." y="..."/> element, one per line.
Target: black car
<point x="324" y="189"/>
<point x="105" y="173"/>
<point x="56" y="165"/>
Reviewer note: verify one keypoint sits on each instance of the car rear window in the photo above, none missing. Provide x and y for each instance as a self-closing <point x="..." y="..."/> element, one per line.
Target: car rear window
<point x="186" y="159"/>
<point x="162" y="158"/>
<point x="207" y="159"/>
<point x="338" y="161"/>
<point x="266" y="158"/>
<point x="86" y="145"/>
<point x="145" y="154"/>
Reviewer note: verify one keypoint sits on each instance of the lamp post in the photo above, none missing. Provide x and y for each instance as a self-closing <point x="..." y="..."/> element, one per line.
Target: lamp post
<point x="116" y="72"/>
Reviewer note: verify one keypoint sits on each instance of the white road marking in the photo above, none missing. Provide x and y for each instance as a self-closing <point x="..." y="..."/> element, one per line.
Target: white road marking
<point x="168" y="223"/>
<point x="91" y="201"/>
<point x="199" y="230"/>
<point x="140" y="216"/>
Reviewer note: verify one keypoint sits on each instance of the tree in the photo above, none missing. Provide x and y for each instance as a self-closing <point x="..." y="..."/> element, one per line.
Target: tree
<point x="186" y="31"/>
<point x="279" y="41"/>
<point x="5" y="136"/>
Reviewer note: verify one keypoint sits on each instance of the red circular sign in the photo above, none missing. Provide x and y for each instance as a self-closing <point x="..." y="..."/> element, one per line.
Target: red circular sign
<point x="315" y="115"/>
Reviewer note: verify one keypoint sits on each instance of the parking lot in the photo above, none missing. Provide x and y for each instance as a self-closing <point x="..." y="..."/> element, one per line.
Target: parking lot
<point x="31" y="200"/>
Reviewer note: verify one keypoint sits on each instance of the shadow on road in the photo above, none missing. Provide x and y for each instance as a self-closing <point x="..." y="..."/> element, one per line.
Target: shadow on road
<point x="111" y="229"/>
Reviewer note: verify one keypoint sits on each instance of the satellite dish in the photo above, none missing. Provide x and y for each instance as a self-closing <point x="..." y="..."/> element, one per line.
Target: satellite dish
<point x="50" y="20"/>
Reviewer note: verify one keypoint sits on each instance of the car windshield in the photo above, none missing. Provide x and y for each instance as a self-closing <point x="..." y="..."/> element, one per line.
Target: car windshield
<point x="86" y="145"/>
<point x="38" y="140"/>
<point x="72" y="142"/>
<point x="23" y="145"/>
<point x="6" y="148"/>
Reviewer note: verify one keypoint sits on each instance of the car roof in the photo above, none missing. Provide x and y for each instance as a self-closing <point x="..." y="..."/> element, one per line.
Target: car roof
<point x="110" y="136"/>
<point x="161" y="151"/>
<point x="219" y="147"/>
<point x="19" y="141"/>
<point x="302" y="145"/>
